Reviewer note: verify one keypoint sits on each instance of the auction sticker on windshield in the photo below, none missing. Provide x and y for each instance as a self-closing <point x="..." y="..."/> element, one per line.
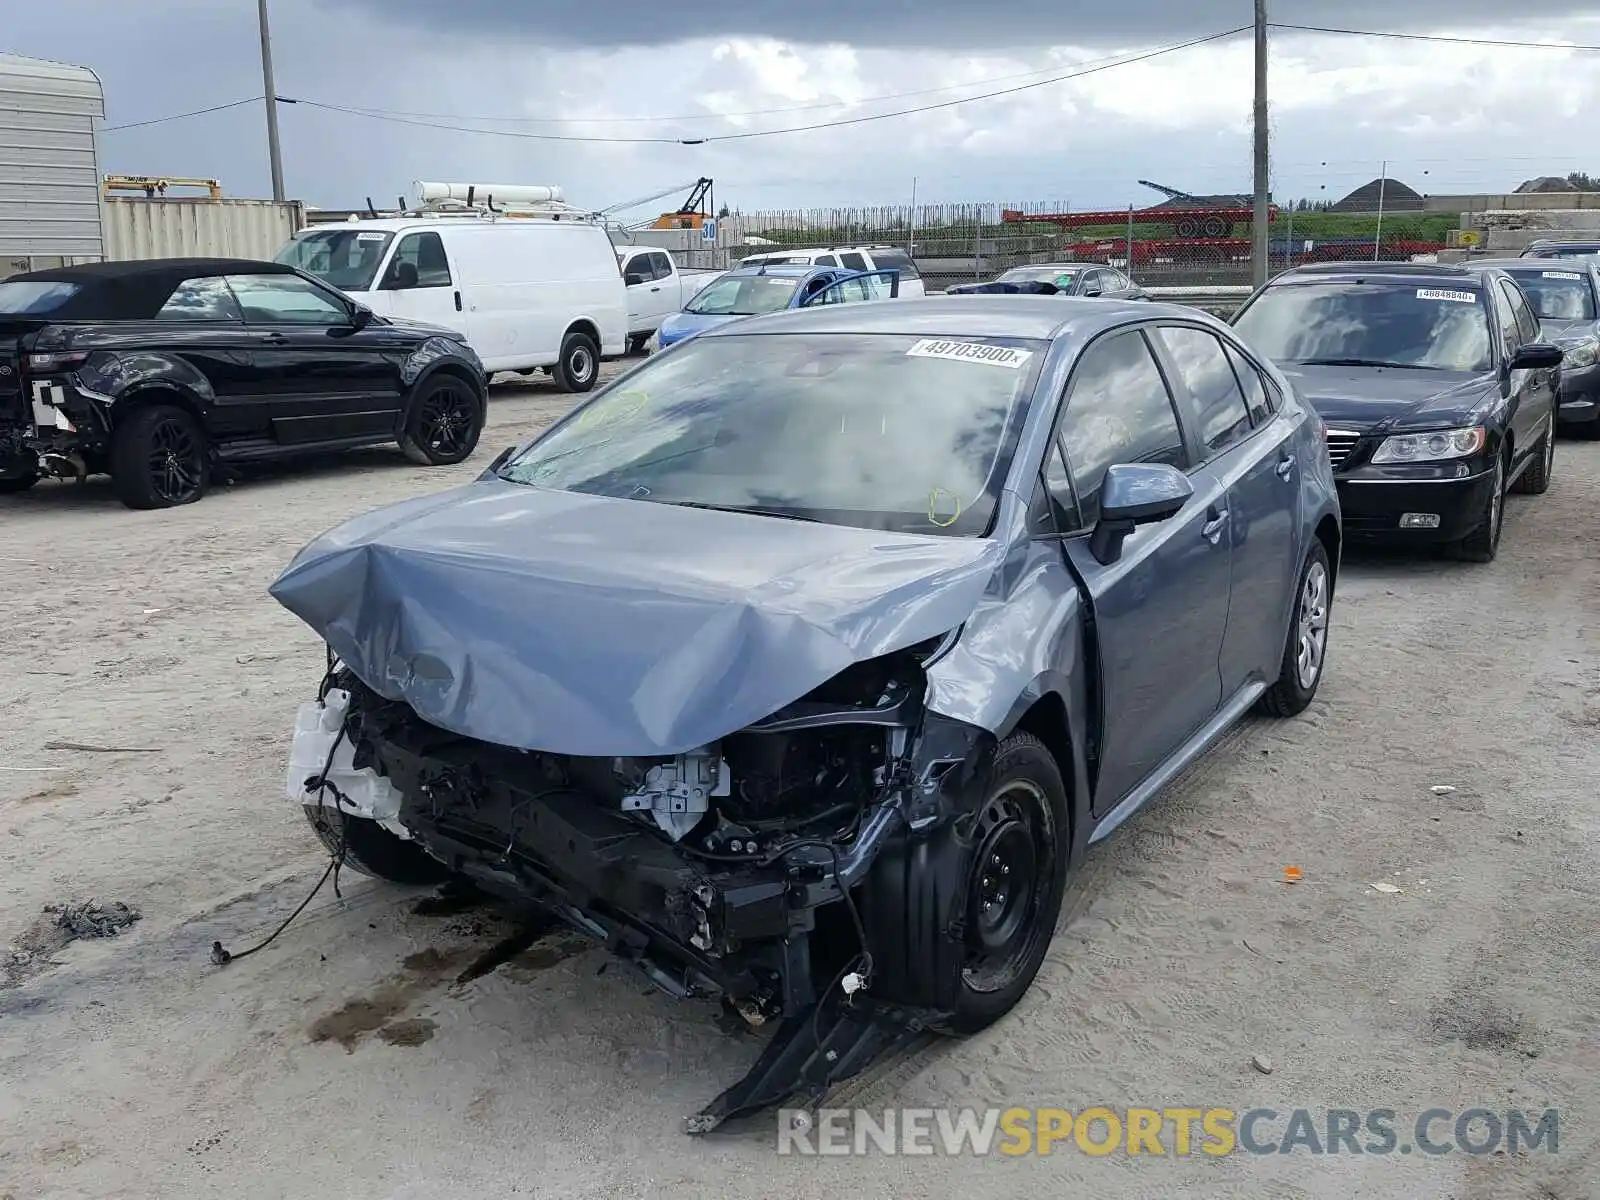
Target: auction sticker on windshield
<point x="1562" y="275"/>
<point x="1445" y="294"/>
<point x="975" y="352"/>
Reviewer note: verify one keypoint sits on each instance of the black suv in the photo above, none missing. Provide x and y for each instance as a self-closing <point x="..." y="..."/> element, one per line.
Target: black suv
<point x="159" y="372"/>
<point x="1436" y="388"/>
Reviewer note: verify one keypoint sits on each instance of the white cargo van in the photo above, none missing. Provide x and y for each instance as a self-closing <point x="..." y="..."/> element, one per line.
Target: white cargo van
<point x="529" y="292"/>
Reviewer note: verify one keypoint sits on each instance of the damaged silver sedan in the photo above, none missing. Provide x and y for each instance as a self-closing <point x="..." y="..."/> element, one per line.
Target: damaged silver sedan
<point x="802" y="664"/>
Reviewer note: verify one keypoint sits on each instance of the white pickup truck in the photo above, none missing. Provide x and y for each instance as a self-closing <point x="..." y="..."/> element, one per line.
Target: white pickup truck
<point x="657" y="288"/>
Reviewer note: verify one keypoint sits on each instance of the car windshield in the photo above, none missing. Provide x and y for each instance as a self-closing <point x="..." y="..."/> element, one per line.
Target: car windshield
<point x="745" y="295"/>
<point x="1389" y="324"/>
<point x="35" y="297"/>
<point x="879" y="431"/>
<point x="345" y="257"/>
<point x="1557" y="295"/>
<point x="1060" y="276"/>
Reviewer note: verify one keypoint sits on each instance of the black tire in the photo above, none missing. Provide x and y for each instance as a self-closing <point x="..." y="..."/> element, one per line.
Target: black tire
<point x="578" y="369"/>
<point x="372" y="850"/>
<point x="1535" y="481"/>
<point x="1483" y="543"/>
<point x="1305" y="650"/>
<point x="443" y="422"/>
<point x="929" y="906"/>
<point x="11" y="485"/>
<point x="159" y="458"/>
<point x="1588" y="430"/>
<point x="637" y="342"/>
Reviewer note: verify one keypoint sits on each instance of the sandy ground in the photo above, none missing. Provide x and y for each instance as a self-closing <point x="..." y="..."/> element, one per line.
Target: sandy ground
<point x="344" y="1061"/>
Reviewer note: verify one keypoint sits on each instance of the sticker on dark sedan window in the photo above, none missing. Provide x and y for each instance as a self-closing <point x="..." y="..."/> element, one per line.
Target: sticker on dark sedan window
<point x="1446" y="294"/>
<point x="1562" y="275"/>
<point x="975" y="352"/>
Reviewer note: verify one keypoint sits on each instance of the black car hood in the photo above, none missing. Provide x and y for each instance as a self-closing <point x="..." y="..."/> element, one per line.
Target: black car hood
<point x="585" y="625"/>
<point x="1567" y="333"/>
<point x="423" y="327"/>
<point x="1391" y="397"/>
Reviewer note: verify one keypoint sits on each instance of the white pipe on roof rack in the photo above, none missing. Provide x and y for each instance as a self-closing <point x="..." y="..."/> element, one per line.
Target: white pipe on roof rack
<point x="501" y="193"/>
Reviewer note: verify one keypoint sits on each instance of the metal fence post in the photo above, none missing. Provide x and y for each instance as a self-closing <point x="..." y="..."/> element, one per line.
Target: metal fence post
<point x="1288" y="241"/>
<point x="1130" y="241"/>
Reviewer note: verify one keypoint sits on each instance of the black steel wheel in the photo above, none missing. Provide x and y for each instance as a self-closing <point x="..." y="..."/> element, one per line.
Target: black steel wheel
<point x="445" y="422"/>
<point x="1010" y="879"/>
<point x="159" y="458"/>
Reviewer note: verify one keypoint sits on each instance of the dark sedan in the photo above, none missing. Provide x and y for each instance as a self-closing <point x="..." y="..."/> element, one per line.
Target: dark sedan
<point x="1435" y="385"/>
<point x="1068" y="279"/>
<point x="161" y="371"/>
<point x="1545" y="248"/>
<point x="1566" y="298"/>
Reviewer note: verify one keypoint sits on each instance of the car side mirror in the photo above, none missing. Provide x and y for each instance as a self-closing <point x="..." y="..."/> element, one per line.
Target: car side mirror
<point x="360" y="317"/>
<point x="1135" y="494"/>
<point x="633" y="277"/>
<point x="1536" y="356"/>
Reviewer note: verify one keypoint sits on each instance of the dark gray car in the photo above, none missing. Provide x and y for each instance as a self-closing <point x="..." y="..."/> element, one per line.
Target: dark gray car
<point x="802" y="664"/>
<point x="1565" y="296"/>
<point x="1077" y="279"/>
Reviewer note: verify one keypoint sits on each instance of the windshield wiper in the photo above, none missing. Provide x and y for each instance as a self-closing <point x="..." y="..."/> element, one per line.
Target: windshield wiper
<point x="740" y="508"/>
<point x="1365" y="362"/>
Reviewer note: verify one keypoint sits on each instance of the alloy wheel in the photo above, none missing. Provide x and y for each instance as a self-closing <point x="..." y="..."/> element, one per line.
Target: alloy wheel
<point x="1313" y="626"/>
<point x="176" y="462"/>
<point x="445" y="421"/>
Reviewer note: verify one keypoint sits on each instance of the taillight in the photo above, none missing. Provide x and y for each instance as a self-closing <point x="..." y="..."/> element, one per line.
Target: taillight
<point x="61" y="361"/>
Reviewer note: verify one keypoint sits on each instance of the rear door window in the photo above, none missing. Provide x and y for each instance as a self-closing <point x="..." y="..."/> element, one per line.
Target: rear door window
<point x="1118" y="411"/>
<point x="897" y="260"/>
<point x="207" y="299"/>
<point x="1506" y="317"/>
<point x="1220" y="410"/>
<point x="827" y="260"/>
<point x="853" y="260"/>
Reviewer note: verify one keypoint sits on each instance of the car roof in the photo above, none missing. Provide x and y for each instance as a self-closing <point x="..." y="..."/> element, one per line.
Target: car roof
<point x="1534" y="264"/>
<point x="135" y="291"/>
<point x="1038" y="318"/>
<point x="1049" y="266"/>
<point x="780" y="270"/>
<point x="1447" y="274"/>
<point x="166" y="268"/>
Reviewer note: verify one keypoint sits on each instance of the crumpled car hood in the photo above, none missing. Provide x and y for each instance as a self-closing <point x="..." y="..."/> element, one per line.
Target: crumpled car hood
<point x="592" y="626"/>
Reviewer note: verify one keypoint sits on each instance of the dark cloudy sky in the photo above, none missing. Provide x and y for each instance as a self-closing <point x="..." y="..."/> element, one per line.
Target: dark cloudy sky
<point x="1447" y="117"/>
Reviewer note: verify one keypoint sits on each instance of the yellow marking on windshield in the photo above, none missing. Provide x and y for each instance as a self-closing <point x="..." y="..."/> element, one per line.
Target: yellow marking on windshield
<point x="934" y="517"/>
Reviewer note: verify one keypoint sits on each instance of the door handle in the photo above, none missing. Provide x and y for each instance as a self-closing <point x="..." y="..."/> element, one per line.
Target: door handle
<point x="655" y="289"/>
<point x="1285" y="466"/>
<point x="1212" y="529"/>
<point x="276" y="339"/>
<point x="458" y="301"/>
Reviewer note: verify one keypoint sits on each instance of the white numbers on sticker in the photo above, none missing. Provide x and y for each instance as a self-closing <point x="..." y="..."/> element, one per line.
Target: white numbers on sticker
<point x="1446" y="294"/>
<point x="973" y="352"/>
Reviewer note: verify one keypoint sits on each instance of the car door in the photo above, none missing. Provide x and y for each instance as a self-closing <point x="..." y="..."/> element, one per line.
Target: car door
<point x="1539" y="402"/>
<point x="867" y="285"/>
<point x="1160" y="609"/>
<point x="321" y="379"/>
<point x="201" y="323"/>
<point x="1089" y="283"/>
<point x="420" y="283"/>
<point x="664" y="297"/>
<point x="1251" y="451"/>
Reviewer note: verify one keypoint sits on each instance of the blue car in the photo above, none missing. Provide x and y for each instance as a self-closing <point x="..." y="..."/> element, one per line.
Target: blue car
<point x="804" y="662"/>
<point x="751" y="291"/>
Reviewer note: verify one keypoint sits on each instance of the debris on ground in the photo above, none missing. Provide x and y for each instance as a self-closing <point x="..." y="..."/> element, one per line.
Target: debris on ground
<point x="88" y="749"/>
<point x="1293" y="874"/>
<point x="1388" y="889"/>
<point x="1441" y="789"/>
<point x="57" y="928"/>
<point x="1262" y="1063"/>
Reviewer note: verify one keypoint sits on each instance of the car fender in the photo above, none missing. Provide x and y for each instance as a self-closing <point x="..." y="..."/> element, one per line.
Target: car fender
<point x="119" y="378"/>
<point x="435" y="353"/>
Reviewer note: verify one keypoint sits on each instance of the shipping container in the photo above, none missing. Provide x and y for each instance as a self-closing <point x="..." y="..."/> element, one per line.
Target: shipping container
<point x="166" y="227"/>
<point x="49" y="169"/>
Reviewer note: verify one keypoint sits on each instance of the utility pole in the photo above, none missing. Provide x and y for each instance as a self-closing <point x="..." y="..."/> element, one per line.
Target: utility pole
<point x="270" y="94"/>
<point x="1260" y="221"/>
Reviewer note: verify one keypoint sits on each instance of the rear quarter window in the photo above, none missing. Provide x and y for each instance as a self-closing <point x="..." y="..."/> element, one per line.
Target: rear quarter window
<point x="35" y="298"/>
<point x="896" y="260"/>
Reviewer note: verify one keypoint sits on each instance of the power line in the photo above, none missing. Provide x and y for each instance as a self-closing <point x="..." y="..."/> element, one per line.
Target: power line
<point x="183" y="116"/>
<point x="1433" y="37"/>
<point x="746" y="135"/>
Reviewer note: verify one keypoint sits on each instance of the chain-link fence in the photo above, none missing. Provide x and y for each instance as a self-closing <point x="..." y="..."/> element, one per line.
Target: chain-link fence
<point x="1190" y="247"/>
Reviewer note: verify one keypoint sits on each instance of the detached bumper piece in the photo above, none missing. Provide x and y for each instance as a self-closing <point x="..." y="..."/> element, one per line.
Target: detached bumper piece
<point x="813" y="1050"/>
